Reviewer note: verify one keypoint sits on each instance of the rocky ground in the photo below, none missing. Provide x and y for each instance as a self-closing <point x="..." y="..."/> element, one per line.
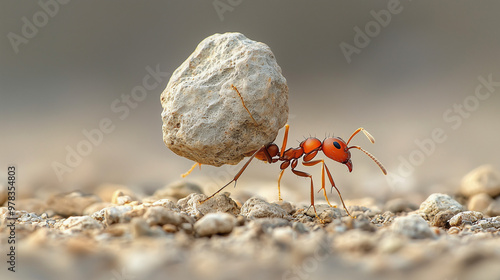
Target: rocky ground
<point x="116" y="234"/>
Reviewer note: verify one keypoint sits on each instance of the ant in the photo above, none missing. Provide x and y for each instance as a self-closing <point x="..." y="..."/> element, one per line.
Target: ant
<point x="333" y="147"/>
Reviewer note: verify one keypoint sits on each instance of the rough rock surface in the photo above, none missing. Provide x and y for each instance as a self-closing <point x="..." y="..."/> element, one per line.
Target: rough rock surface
<point x="259" y="208"/>
<point x="438" y="202"/>
<point x="204" y="118"/>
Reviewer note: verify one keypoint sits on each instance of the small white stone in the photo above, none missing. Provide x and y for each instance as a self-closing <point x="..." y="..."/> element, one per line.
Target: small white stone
<point x="465" y="217"/>
<point x="80" y="223"/>
<point x="112" y="214"/>
<point x="215" y="223"/>
<point x="438" y="202"/>
<point x="413" y="226"/>
<point x="484" y="179"/>
<point x="203" y="117"/>
<point x="258" y="208"/>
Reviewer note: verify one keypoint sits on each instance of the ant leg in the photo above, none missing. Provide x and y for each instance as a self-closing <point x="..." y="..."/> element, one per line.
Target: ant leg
<point x="243" y="102"/>
<point x="237" y="176"/>
<point x="304" y="174"/>
<point x="184" y="175"/>
<point x="279" y="189"/>
<point x="324" y="167"/>
<point x="285" y="139"/>
<point x="311" y="163"/>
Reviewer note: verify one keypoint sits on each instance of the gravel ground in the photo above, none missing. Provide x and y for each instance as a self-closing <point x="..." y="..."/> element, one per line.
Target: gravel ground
<point x="117" y="234"/>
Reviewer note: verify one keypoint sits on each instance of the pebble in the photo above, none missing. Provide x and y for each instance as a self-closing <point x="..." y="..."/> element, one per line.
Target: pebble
<point x="479" y="202"/>
<point x="79" y="223"/>
<point x="111" y="215"/>
<point x="204" y="119"/>
<point x="438" y="202"/>
<point x="71" y="204"/>
<point x="215" y="223"/>
<point x="178" y="190"/>
<point x="167" y="203"/>
<point x="442" y="219"/>
<point x="319" y="209"/>
<point x="219" y="203"/>
<point x="121" y="197"/>
<point x="483" y="179"/>
<point x="493" y="223"/>
<point x="140" y="228"/>
<point x="328" y="215"/>
<point x="494" y="208"/>
<point x="466" y="217"/>
<point x="158" y="215"/>
<point x="255" y="208"/>
<point x="412" y="226"/>
<point x="287" y="206"/>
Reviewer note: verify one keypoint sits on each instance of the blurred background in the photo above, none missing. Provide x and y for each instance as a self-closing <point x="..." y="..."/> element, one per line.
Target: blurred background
<point x="63" y="75"/>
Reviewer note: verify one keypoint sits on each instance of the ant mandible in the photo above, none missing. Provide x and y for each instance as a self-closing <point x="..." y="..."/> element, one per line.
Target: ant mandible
<point x="333" y="147"/>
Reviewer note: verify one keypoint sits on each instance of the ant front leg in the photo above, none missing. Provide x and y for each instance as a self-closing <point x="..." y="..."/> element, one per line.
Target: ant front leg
<point x="323" y="168"/>
<point x="311" y="163"/>
<point x="304" y="174"/>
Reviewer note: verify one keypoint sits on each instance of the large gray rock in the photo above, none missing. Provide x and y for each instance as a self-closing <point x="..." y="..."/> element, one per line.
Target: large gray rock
<point x="204" y="118"/>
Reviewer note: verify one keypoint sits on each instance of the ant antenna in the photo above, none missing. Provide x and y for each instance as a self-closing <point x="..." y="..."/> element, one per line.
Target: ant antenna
<point x="372" y="157"/>
<point x="367" y="134"/>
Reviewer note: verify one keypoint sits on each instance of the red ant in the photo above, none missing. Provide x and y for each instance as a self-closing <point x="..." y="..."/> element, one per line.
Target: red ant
<point x="333" y="147"/>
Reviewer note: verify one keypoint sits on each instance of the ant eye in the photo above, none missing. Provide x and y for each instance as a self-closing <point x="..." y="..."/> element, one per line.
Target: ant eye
<point x="336" y="144"/>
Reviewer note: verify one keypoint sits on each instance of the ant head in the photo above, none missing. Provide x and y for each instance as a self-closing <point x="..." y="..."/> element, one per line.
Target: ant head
<point x="336" y="149"/>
